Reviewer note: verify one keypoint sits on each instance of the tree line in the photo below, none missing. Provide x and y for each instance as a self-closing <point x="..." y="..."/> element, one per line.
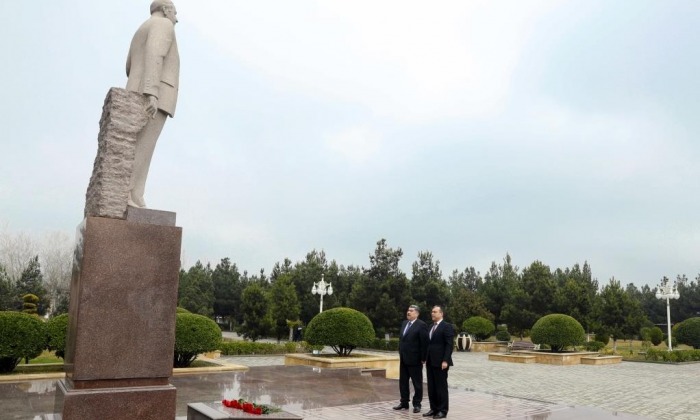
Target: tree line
<point x="265" y="304"/>
<point x="268" y="305"/>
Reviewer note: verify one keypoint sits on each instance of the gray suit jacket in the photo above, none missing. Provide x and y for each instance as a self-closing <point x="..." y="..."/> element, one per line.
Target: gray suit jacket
<point x="153" y="63"/>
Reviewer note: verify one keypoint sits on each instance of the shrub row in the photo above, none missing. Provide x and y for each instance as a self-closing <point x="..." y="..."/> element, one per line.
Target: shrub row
<point x="237" y="348"/>
<point x="673" y="356"/>
<point x="391" y="344"/>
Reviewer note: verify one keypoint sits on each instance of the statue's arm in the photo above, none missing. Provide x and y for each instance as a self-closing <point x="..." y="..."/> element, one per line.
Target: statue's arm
<point x="160" y="38"/>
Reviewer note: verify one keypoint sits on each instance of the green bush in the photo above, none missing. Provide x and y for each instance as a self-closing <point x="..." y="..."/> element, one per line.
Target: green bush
<point x="57" y="328"/>
<point x="602" y="336"/>
<point x="194" y="334"/>
<point x="688" y="332"/>
<point x="675" y="356"/>
<point x="656" y="336"/>
<point x="479" y="326"/>
<point x="235" y="348"/>
<point x="341" y="328"/>
<point x="181" y="310"/>
<point x="558" y="331"/>
<point x="391" y="344"/>
<point x="21" y="336"/>
<point x="502" y="335"/>
<point x="594" y="346"/>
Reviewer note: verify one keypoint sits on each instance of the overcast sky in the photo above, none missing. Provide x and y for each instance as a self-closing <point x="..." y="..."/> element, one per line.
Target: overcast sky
<point x="561" y="131"/>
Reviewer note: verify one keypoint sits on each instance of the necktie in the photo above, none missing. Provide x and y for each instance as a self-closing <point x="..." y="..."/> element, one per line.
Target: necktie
<point x="433" y="330"/>
<point x="407" y="327"/>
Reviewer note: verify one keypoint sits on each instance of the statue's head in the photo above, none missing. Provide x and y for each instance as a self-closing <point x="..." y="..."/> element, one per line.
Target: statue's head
<point x="166" y="7"/>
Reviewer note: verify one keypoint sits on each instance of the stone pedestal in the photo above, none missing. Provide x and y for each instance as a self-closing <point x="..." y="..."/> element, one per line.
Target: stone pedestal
<point x="121" y="336"/>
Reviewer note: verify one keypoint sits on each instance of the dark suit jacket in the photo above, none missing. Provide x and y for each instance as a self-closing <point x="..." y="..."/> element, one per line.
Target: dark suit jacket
<point x="414" y="344"/>
<point x="440" y="344"/>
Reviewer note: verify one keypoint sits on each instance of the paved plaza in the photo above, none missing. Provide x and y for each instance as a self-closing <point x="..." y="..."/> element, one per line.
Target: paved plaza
<point x="480" y="389"/>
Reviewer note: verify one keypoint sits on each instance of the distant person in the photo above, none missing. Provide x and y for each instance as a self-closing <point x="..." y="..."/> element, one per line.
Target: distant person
<point x="153" y="69"/>
<point x="413" y="345"/>
<point x="438" y="362"/>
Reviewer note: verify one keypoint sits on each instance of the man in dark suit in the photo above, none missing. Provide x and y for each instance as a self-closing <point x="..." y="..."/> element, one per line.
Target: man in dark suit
<point x="413" y="345"/>
<point x="438" y="362"/>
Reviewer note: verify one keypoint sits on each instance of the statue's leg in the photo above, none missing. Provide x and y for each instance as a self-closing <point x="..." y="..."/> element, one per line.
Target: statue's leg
<point x="145" y="144"/>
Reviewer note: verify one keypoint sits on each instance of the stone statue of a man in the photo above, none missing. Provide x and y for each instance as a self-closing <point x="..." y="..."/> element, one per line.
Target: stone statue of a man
<point x="153" y="69"/>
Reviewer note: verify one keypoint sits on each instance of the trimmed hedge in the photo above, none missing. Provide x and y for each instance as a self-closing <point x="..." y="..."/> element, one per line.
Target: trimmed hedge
<point x="558" y="331"/>
<point x="479" y="326"/>
<point x="341" y="328"/>
<point x="237" y="348"/>
<point x="194" y="334"/>
<point x="688" y="332"/>
<point x="21" y="336"/>
<point x="391" y="344"/>
<point x="675" y="356"/>
<point x="594" y="346"/>
<point x="57" y="328"/>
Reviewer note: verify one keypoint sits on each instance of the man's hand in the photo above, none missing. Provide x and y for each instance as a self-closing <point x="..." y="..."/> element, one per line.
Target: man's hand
<point x="152" y="107"/>
<point x="444" y="365"/>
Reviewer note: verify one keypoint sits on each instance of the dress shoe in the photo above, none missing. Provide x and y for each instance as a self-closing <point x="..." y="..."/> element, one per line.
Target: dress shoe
<point x="429" y="413"/>
<point x="440" y="415"/>
<point x="416" y="408"/>
<point x="401" y="407"/>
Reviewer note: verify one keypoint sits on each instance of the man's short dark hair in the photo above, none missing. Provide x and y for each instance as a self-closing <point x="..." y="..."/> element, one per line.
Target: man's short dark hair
<point x="415" y="308"/>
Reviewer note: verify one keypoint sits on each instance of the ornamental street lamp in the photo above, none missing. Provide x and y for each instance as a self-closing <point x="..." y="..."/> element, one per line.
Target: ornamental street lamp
<point x="322" y="288"/>
<point x="667" y="291"/>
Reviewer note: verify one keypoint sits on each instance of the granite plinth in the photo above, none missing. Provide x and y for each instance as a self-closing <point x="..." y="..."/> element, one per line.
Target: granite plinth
<point x="143" y="403"/>
<point x="150" y="216"/>
<point x="601" y="360"/>
<point x="123" y="301"/>
<point x="121" y="332"/>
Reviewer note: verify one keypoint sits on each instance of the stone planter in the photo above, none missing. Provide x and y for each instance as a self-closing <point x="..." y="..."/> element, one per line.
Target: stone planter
<point x="357" y="360"/>
<point x="489" y="346"/>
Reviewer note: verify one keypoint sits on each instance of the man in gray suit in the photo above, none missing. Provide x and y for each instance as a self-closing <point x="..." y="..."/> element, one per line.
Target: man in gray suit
<point x="153" y="69"/>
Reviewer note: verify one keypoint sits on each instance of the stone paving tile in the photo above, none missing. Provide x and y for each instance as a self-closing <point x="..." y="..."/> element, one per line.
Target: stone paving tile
<point x="657" y="391"/>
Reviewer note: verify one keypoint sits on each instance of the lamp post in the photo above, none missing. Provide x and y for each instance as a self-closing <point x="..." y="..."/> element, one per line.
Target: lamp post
<point x="667" y="291"/>
<point x="322" y="288"/>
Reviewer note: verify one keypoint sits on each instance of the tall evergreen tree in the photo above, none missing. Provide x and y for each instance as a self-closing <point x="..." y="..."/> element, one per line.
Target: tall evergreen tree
<point x="284" y="304"/>
<point x="428" y="288"/>
<point x="383" y="292"/>
<point x="196" y="289"/>
<point x="31" y="281"/>
<point x="466" y="301"/>
<point x="257" y="321"/>
<point x="228" y="288"/>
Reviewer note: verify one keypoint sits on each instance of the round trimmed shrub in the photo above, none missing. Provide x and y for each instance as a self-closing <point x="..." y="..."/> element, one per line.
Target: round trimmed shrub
<point x="594" y="346"/>
<point x="602" y="336"/>
<point x="194" y="334"/>
<point x="181" y="310"/>
<point x="656" y="336"/>
<point x="502" y="335"/>
<point x="479" y="326"/>
<point x="341" y="328"/>
<point x="688" y="332"/>
<point x="558" y="331"/>
<point x="21" y="336"/>
<point x="57" y="328"/>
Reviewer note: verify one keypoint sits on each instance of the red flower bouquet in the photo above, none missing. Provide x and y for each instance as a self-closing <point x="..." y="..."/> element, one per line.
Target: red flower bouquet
<point x="249" y="407"/>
